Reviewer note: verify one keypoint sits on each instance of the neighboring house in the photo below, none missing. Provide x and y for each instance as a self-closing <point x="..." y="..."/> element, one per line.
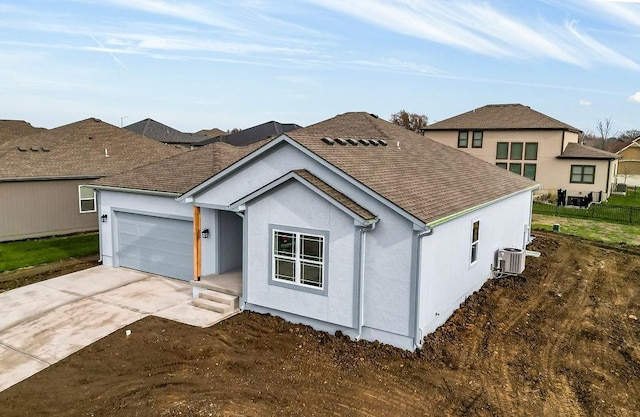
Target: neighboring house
<point x="532" y="144"/>
<point x="255" y="134"/>
<point x="212" y="133"/>
<point x="11" y="129"/>
<point x="41" y="174"/>
<point x="151" y="129"/>
<point x="629" y="164"/>
<point x="352" y="224"/>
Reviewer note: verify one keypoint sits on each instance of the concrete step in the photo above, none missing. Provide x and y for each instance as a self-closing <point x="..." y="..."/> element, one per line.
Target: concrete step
<point x="212" y="305"/>
<point x="222" y="298"/>
<point x="215" y="287"/>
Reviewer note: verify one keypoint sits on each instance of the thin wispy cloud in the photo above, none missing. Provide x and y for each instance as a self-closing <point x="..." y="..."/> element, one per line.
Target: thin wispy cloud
<point x="482" y="28"/>
<point x="635" y="97"/>
<point x="584" y="103"/>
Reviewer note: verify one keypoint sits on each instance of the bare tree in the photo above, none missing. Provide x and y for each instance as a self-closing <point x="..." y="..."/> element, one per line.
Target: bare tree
<point x="410" y="121"/>
<point x="604" y="129"/>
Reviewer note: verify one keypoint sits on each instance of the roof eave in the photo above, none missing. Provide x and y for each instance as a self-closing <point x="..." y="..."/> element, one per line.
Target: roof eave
<point x="134" y="190"/>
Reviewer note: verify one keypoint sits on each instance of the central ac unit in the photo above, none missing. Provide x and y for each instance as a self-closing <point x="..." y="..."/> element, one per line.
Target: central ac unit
<point x="511" y="260"/>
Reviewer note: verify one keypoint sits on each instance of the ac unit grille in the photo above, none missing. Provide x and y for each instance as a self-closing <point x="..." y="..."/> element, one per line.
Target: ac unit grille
<point x="511" y="260"/>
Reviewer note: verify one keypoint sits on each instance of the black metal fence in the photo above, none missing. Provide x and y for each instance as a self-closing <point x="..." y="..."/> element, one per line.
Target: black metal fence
<point x="606" y="212"/>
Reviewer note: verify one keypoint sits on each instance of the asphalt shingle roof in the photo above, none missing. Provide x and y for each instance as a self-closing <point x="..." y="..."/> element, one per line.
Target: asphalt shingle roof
<point x="11" y="129"/>
<point x="255" y="133"/>
<point x="180" y="173"/>
<point x="575" y="150"/>
<point x="78" y="150"/>
<point x="335" y="194"/>
<point x="501" y="117"/>
<point x="149" y="128"/>
<point x="427" y="179"/>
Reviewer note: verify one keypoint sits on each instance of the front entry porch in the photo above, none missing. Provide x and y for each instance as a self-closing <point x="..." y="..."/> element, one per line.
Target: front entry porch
<point x="219" y="293"/>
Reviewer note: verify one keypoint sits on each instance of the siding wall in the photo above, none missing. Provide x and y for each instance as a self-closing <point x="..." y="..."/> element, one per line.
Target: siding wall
<point x="447" y="276"/>
<point x="30" y="209"/>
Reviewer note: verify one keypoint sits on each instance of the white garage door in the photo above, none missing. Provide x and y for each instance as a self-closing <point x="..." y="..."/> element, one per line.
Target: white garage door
<point x="155" y="244"/>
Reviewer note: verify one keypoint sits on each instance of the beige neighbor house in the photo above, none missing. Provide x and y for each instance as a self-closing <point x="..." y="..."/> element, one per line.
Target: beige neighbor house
<point x="629" y="164"/>
<point x="532" y="144"/>
<point x="41" y="174"/>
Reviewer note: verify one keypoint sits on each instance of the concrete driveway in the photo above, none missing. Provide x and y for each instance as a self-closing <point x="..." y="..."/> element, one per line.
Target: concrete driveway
<point x="45" y="322"/>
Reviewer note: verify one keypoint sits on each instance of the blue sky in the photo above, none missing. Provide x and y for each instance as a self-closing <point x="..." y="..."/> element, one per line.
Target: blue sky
<point x="201" y="64"/>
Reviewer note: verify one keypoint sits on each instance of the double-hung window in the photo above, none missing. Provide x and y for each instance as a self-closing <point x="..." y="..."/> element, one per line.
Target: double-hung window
<point x="475" y="238"/>
<point x="477" y="139"/>
<point x="502" y="150"/>
<point x="87" y="199"/>
<point x="583" y="174"/>
<point x="463" y="139"/>
<point x="298" y="258"/>
<point x="516" y="150"/>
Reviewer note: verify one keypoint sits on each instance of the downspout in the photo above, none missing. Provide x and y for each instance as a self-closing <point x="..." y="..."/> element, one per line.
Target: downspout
<point x="99" y="223"/>
<point x="418" y="329"/>
<point x="363" y="245"/>
<point x="244" y="263"/>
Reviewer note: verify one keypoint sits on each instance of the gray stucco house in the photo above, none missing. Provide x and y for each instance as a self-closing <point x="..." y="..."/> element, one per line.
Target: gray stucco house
<point x="351" y="224"/>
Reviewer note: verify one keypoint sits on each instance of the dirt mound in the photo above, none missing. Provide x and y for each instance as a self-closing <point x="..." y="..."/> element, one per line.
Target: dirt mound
<point x="560" y="340"/>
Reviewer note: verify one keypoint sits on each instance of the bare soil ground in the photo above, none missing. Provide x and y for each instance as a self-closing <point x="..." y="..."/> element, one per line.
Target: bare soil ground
<point x="563" y="339"/>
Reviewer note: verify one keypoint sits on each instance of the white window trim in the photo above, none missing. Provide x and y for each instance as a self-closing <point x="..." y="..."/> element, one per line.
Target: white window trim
<point x="296" y="284"/>
<point x="474" y="243"/>
<point x="80" y="200"/>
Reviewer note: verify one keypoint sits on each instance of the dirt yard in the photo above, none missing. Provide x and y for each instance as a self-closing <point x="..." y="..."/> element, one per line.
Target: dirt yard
<point x="563" y="340"/>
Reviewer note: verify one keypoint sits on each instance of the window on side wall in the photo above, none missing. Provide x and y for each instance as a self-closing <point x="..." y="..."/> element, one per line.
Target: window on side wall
<point x="463" y="139"/>
<point x="530" y="171"/>
<point x="477" y="139"/>
<point x="298" y="258"/>
<point x="531" y="151"/>
<point x="502" y="150"/>
<point x="516" y="168"/>
<point x="583" y="174"/>
<point x="87" y="199"/>
<point x="516" y="150"/>
<point x="475" y="237"/>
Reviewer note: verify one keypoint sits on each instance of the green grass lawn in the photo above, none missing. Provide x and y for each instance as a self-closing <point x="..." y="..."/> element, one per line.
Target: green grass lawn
<point x="590" y="229"/>
<point x="631" y="199"/>
<point x="14" y="255"/>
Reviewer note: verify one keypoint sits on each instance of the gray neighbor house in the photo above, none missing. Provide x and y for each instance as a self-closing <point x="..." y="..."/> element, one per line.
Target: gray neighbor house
<point x="42" y="172"/>
<point x="351" y="224"/>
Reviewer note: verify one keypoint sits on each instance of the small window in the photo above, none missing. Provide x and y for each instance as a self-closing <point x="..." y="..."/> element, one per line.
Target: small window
<point x="531" y="151"/>
<point x="298" y="258"/>
<point x="502" y="152"/>
<point x="516" y="150"/>
<point x="477" y="140"/>
<point x="583" y="174"/>
<point x="463" y="139"/>
<point x="475" y="237"/>
<point x="516" y="168"/>
<point x="87" y="199"/>
<point x="502" y="165"/>
<point x="530" y="171"/>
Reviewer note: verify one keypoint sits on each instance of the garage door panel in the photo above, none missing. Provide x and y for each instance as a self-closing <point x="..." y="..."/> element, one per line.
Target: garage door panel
<point x="157" y="245"/>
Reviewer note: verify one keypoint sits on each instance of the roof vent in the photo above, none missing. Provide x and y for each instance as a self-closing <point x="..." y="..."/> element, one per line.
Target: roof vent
<point x="382" y="142"/>
<point x="95" y="119"/>
<point x="373" y="142"/>
<point x="341" y="141"/>
<point x="352" y="141"/>
<point x="90" y="137"/>
<point x="22" y="149"/>
<point x="35" y="148"/>
<point x="365" y="142"/>
<point x="328" y="141"/>
<point x="106" y="153"/>
<point x="45" y="149"/>
<point x="373" y="115"/>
